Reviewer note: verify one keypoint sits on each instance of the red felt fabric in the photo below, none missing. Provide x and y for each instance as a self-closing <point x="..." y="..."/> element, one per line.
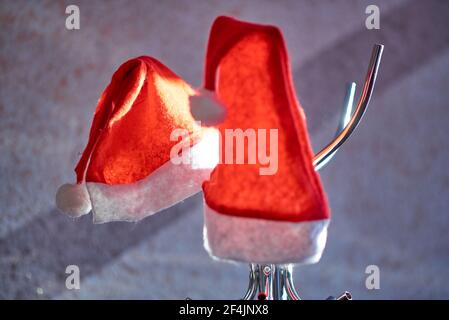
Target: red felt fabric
<point x="254" y="83"/>
<point x="130" y="133"/>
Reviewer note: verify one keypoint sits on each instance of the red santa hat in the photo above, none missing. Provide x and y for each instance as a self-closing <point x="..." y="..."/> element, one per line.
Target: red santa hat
<point x="249" y="217"/>
<point x="142" y="123"/>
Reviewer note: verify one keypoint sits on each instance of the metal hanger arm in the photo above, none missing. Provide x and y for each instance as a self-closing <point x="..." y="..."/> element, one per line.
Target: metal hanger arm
<point x="322" y="157"/>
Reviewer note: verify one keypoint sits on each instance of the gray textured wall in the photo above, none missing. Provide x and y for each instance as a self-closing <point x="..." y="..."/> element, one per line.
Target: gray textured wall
<point x="388" y="186"/>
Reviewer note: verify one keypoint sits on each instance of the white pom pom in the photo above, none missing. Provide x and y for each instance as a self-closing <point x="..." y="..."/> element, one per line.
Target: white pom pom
<point x="207" y="108"/>
<point x="73" y="199"/>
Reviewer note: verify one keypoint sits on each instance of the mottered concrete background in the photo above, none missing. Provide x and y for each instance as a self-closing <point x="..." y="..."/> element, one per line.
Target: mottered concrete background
<point x="388" y="187"/>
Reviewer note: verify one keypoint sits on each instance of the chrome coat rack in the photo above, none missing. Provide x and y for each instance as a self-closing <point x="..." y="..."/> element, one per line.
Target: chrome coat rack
<point x="273" y="281"/>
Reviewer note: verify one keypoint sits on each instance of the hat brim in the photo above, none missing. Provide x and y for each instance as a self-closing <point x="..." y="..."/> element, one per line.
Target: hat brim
<point x="250" y="240"/>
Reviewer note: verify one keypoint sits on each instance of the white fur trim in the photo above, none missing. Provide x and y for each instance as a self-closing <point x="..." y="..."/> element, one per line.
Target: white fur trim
<point x="73" y="200"/>
<point x="207" y="108"/>
<point x="168" y="185"/>
<point x="263" y="241"/>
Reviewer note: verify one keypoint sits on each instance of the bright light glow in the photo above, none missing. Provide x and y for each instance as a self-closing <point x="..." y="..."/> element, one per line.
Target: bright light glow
<point x="205" y="154"/>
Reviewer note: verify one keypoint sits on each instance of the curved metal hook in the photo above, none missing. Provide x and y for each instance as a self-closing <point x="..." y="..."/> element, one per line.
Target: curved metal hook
<point x="345" y="117"/>
<point x="322" y="157"/>
<point x="346" y="112"/>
